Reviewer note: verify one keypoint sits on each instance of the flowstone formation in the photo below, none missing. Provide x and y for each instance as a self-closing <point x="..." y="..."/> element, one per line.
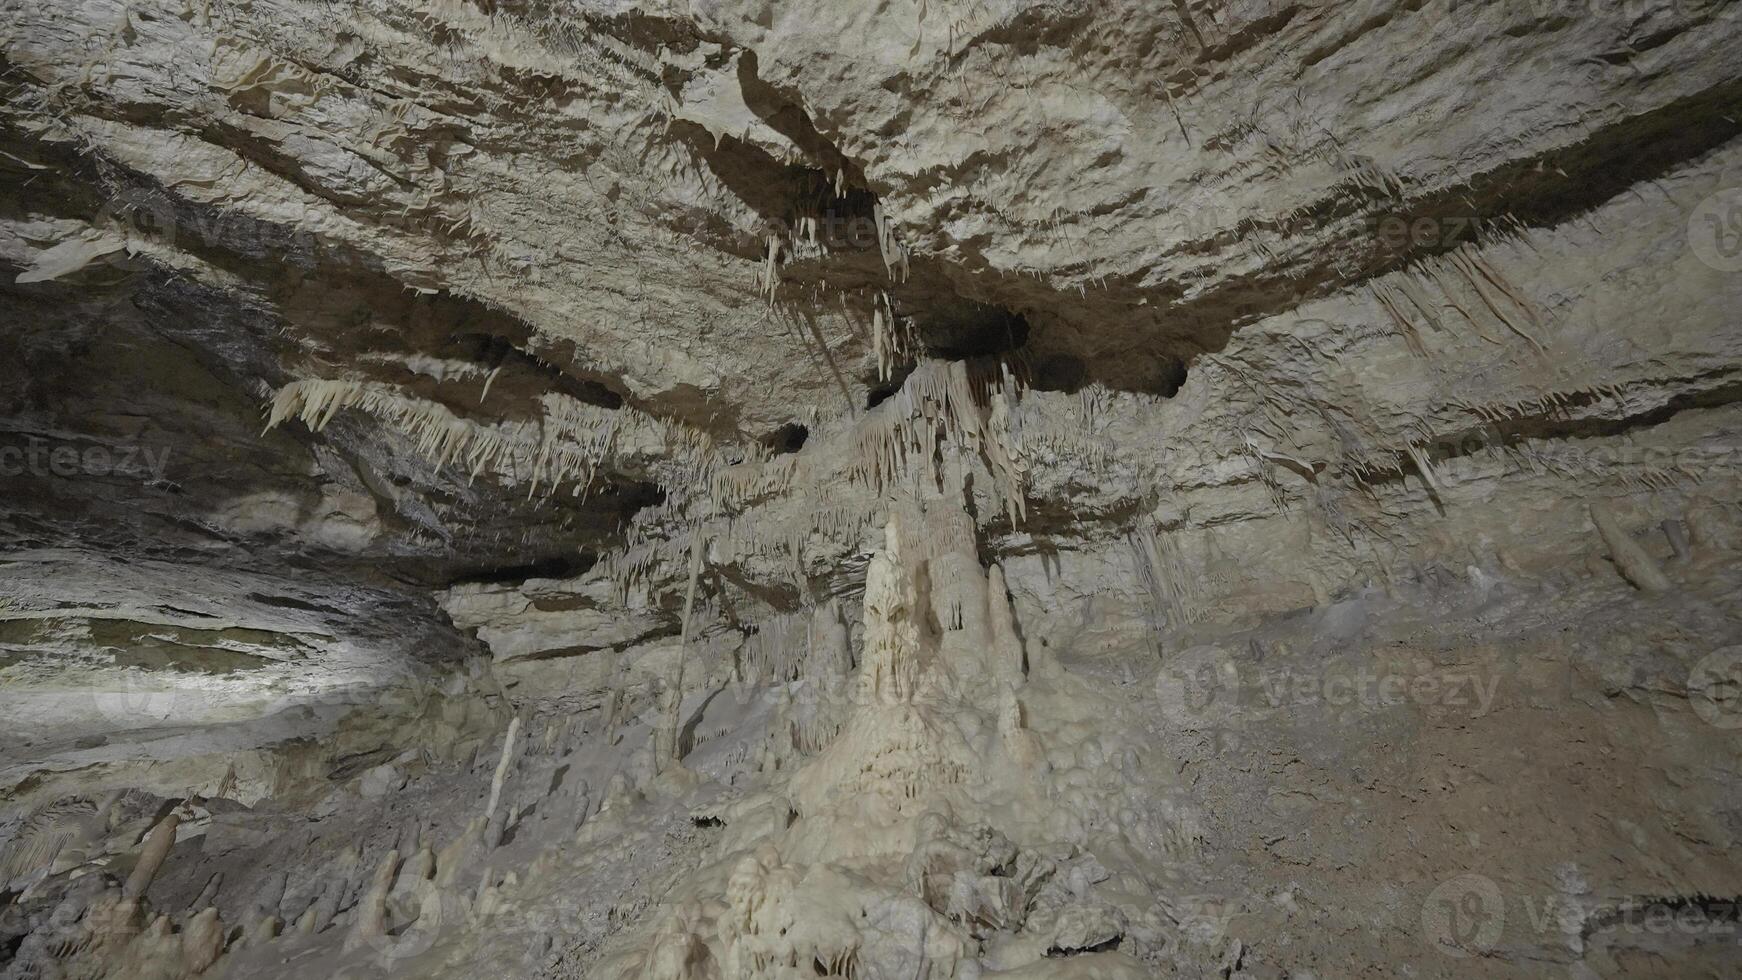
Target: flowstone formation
<point x="930" y="836"/>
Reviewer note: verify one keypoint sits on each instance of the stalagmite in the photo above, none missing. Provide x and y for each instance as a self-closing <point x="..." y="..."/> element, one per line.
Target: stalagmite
<point x="202" y="942"/>
<point x="1637" y="566"/>
<point x="620" y="794"/>
<point x="459" y="852"/>
<point x="507" y="761"/>
<point x="347" y="877"/>
<point x="419" y="867"/>
<point x="1677" y="534"/>
<point x="262" y="931"/>
<point x="497" y="828"/>
<point x="371" y="921"/>
<point x="157" y="943"/>
<point x="1009" y="661"/>
<point x="580" y="804"/>
<point x="309" y="922"/>
<point x="831" y="648"/>
<point x="669" y="747"/>
<point x="410" y="836"/>
<point x="892" y="644"/>
<point x="157" y="846"/>
<point x="261" y="923"/>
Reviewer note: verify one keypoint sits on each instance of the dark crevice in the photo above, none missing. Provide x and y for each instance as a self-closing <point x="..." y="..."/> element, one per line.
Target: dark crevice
<point x="1170" y="377"/>
<point x="1059" y="372"/>
<point x="961" y="329"/>
<point x="1102" y="947"/>
<point x="883" y="392"/>
<point x="789" y="438"/>
<point x="564" y="653"/>
<point x="497" y="351"/>
<point x="554" y="567"/>
<point x="177" y="611"/>
<point x="285" y="602"/>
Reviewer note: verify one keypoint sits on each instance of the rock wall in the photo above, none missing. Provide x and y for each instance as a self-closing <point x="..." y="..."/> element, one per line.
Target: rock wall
<point x="720" y="488"/>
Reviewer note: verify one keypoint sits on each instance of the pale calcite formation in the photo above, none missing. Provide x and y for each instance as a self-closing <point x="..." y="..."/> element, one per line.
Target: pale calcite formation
<point x="907" y="488"/>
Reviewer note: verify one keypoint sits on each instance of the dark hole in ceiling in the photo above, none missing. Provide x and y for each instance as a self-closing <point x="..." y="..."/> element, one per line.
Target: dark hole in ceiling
<point x="1170" y="376"/>
<point x="553" y="567"/>
<point x="1060" y="372"/>
<point x="962" y="329"/>
<point x="789" y="438"/>
<point x="882" y="393"/>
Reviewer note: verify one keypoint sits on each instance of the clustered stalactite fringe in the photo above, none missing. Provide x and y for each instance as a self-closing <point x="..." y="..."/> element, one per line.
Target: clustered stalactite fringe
<point x="1171" y="587"/>
<point x="895" y="261"/>
<point x="569" y="443"/>
<point x="945" y="401"/>
<point x="1459" y="272"/>
<point x="971" y="410"/>
<point x="1368" y="453"/>
<point x="564" y="446"/>
<point x="892" y="338"/>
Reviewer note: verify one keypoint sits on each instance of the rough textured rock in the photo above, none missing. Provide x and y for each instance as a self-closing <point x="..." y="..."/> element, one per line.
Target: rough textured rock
<point x="703" y="489"/>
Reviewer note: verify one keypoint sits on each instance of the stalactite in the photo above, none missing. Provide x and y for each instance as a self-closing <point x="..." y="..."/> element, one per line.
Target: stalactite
<point x="940" y="402"/>
<point x="1476" y="271"/>
<point x="1165" y="578"/>
<point x="768" y="278"/>
<point x="894" y="254"/>
<point x="567" y="443"/>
